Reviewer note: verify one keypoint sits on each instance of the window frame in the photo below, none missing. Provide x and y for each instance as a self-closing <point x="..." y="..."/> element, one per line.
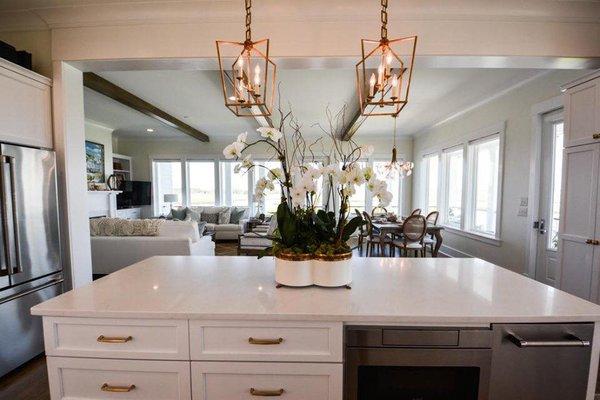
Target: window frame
<point x="487" y="133"/>
<point x="444" y="198"/>
<point x="425" y="177"/>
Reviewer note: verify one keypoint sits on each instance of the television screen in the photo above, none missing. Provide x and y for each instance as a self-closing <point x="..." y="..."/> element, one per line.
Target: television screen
<point x="135" y="193"/>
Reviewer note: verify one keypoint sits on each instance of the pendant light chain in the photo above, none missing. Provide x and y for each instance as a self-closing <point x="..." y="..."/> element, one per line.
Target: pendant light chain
<point x="395" y="120"/>
<point x="384" y="19"/>
<point x="249" y="20"/>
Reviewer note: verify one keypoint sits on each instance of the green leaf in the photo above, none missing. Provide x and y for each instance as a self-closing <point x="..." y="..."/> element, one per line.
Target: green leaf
<point x="351" y="226"/>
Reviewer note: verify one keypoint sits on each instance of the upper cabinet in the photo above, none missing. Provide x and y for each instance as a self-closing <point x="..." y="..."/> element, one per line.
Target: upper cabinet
<point x="582" y="122"/>
<point x="25" y="106"/>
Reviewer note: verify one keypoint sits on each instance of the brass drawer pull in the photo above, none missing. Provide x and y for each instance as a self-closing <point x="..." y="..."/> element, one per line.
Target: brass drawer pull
<point x="266" y="393"/>
<point x="593" y="242"/>
<point x="252" y="340"/>
<point x="117" y="389"/>
<point x="109" y="339"/>
<point x="596" y="136"/>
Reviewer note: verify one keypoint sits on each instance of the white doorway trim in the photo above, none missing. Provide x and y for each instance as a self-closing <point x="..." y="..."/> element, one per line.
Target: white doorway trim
<point x="537" y="112"/>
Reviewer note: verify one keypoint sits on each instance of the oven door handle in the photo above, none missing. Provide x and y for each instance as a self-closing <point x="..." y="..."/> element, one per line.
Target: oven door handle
<point x="570" y="341"/>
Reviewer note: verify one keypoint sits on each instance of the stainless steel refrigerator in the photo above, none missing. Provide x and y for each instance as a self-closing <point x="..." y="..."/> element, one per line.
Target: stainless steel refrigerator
<point x="30" y="263"/>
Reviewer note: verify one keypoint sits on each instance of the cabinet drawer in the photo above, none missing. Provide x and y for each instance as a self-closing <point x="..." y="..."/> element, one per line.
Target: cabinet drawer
<point x="116" y="338"/>
<point x="84" y="378"/>
<point x="227" y="381"/>
<point x="266" y="341"/>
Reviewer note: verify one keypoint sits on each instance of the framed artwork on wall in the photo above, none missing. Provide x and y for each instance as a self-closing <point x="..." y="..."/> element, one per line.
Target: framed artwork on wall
<point x="94" y="159"/>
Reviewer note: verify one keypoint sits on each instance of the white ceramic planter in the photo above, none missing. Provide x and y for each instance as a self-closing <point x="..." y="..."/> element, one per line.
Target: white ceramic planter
<point x="332" y="271"/>
<point x="293" y="270"/>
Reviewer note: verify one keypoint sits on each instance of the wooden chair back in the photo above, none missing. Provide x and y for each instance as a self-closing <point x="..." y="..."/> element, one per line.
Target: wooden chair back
<point x="432" y="217"/>
<point x="367" y="218"/>
<point x="414" y="228"/>
<point x="416" y="211"/>
<point x="361" y="227"/>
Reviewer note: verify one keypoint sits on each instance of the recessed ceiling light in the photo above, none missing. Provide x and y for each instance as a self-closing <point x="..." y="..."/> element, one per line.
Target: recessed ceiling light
<point x="149" y="130"/>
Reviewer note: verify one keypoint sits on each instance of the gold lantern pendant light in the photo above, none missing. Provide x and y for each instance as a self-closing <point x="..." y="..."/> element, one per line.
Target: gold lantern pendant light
<point x="384" y="72"/>
<point x="248" y="83"/>
<point x="401" y="167"/>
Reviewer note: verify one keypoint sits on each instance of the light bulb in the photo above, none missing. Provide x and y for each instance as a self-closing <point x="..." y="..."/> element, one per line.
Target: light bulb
<point x="380" y="71"/>
<point x="372" y="82"/>
<point x="395" y="87"/>
<point x="388" y="58"/>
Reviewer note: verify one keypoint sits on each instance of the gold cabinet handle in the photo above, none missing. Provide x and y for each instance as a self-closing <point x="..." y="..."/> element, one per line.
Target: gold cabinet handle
<point x="252" y="340"/>
<point x="593" y="242"/>
<point x="588" y="241"/>
<point x="266" y="393"/>
<point x="115" y="339"/>
<point x="116" y="389"/>
<point x="596" y="136"/>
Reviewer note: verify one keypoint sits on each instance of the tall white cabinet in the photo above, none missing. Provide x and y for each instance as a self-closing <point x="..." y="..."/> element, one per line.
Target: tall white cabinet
<point x="579" y="233"/>
<point x="25" y="101"/>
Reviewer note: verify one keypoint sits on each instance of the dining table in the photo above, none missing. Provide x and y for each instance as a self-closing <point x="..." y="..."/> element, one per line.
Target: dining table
<point x="389" y="227"/>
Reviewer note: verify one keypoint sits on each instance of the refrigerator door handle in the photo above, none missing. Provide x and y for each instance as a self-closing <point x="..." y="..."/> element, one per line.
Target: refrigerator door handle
<point x="5" y="225"/>
<point x="52" y="282"/>
<point x="15" y="214"/>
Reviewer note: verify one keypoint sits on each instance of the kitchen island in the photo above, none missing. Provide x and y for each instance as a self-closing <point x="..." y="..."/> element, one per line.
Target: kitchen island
<point x="216" y="328"/>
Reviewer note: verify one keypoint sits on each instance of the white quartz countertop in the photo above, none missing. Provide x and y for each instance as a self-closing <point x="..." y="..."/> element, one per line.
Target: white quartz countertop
<point x="384" y="290"/>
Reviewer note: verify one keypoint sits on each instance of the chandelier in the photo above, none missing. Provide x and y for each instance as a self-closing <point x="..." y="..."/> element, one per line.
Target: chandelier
<point x="401" y="167"/>
<point x="383" y="74"/>
<point x="247" y="73"/>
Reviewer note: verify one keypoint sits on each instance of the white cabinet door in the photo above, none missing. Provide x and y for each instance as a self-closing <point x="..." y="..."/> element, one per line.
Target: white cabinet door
<point x="577" y="225"/>
<point x="25" y="109"/>
<point x="582" y="117"/>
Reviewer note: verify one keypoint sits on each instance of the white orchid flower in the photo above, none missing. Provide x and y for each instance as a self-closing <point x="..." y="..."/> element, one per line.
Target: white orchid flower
<point x="356" y="176"/>
<point x="368" y="173"/>
<point x="270" y="133"/>
<point x="307" y="184"/>
<point x="242" y="137"/>
<point x="348" y="190"/>
<point x="233" y="150"/>
<point x="313" y="173"/>
<point x="247" y="162"/>
<point x="276" y="173"/>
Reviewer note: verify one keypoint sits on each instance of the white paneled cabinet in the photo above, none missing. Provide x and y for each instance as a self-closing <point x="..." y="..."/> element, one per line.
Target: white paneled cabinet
<point x="154" y="359"/>
<point x="579" y="232"/>
<point x="25" y="106"/>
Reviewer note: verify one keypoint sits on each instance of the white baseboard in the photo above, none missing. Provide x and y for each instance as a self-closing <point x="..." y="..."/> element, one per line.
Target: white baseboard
<point x="447" y="251"/>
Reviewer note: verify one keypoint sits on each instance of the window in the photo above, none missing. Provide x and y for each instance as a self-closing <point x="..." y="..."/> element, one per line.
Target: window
<point x="167" y="180"/>
<point x="484" y="165"/>
<point x="272" y="198"/>
<point x="558" y="132"/>
<point x="453" y="178"/>
<point x="393" y="185"/>
<point x="234" y="187"/>
<point x="431" y="170"/>
<point x="201" y="178"/>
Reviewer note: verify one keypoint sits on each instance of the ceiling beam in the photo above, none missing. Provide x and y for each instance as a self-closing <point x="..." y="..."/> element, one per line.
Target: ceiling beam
<point x="109" y="89"/>
<point x="355" y="122"/>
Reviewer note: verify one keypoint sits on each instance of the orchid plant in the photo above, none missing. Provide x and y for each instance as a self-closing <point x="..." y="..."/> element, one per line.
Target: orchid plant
<point x="303" y="226"/>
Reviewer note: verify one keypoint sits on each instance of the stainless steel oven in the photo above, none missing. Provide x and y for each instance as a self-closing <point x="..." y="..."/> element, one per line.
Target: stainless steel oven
<point x="385" y="363"/>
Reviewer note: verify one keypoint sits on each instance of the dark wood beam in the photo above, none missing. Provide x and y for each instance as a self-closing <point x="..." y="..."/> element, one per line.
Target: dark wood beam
<point x="355" y="122"/>
<point x="109" y="89"/>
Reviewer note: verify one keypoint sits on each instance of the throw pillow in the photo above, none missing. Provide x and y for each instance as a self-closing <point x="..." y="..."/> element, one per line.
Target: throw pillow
<point x="210" y="218"/>
<point x="224" y="217"/>
<point x="178" y="213"/>
<point x="125" y="227"/>
<point x="191" y="215"/>
<point x="236" y="215"/>
<point x="201" y="227"/>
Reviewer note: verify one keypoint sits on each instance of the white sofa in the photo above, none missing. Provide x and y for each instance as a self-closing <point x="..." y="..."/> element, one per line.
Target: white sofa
<point x="222" y="231"/>
<point x="176" y="238"/>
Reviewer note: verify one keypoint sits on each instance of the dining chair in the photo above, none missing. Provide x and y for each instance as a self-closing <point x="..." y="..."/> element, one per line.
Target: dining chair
<point x="416" y="211"/>
<point x="413" y="233"/>
<point x="374" y="237"/>
<point x="377" y="211"/>
<point x="362" y="234"/>
<point x="431" y="219"/>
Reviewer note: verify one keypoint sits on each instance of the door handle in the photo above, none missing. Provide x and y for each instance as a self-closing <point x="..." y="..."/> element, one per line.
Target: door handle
<point x="267" y="342"/>
<point x="15" y="214"/>
<point x="593" y="242"/>
<point x="116" y="389"/>
<point x="540" y="226"/>
<point x="570" y="341"/>
<point x="596" y="136"/>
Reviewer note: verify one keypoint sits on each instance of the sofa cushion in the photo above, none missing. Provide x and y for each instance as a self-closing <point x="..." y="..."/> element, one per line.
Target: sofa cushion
<point x="224" y="217"/>
<point x="201" y="227"/>
<point x="236" y="215"/>
<point x="178" y="213"/>
<point x="180" y="229"/>
<point x="191" y="215"/>
<point x="227" y="227"/>
<point x="125" y="227"/>
<point x="211" y="218"/>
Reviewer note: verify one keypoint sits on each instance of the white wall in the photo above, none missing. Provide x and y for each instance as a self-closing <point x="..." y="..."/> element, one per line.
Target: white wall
<point x="102" y="135"/>
<point x="514" y="108"/>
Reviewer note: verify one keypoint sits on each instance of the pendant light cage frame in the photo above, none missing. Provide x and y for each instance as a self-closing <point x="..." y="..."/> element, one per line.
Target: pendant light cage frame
<point x="384" y="62"/>
<point x="240" y="63"/>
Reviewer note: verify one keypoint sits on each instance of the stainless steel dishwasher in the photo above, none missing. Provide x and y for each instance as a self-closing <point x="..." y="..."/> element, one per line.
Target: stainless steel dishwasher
<point x="540" y="361"/>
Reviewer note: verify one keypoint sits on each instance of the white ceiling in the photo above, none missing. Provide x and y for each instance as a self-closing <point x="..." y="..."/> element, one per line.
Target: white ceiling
<point x="195" y="97"/>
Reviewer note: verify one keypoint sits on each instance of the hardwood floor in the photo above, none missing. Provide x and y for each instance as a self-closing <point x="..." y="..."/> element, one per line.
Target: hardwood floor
<point x="28" y="382"/>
